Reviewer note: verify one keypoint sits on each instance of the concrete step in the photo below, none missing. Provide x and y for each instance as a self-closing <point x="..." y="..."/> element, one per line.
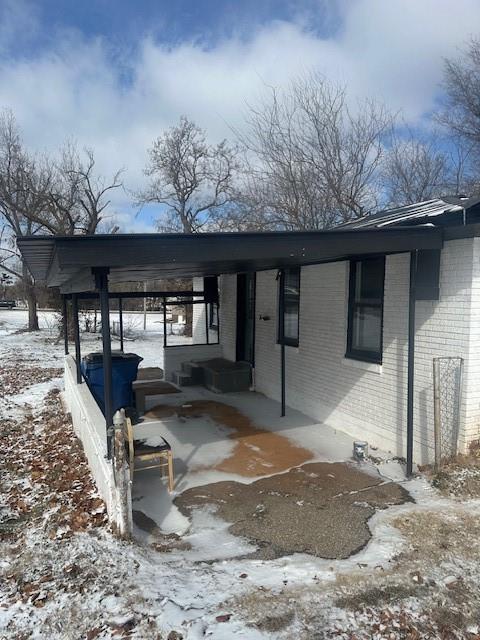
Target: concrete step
<point x="194" y="370"/>
<point x="182" y="379"/>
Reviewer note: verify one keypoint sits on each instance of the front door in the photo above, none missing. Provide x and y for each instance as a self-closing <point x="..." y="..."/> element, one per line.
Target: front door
<point x="246" y="317"/>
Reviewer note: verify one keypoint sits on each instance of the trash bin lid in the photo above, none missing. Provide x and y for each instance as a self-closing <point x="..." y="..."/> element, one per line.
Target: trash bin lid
<point x="96" y="357"/>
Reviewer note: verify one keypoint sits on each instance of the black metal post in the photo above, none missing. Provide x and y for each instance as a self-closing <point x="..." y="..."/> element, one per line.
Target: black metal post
<point x="411" y="359"/>
<point x="120" y="318"/>
<point x="76" y="336"/>
<point x="164" y="322"/>
<point x="206" y="323"/>
<point x="65" y="324"/>
<point x="101" y="283"/>
<point x="282" y="338"/>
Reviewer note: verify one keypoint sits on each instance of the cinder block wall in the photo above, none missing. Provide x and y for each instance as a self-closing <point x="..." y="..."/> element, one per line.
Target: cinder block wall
<point x="369" y="401"/>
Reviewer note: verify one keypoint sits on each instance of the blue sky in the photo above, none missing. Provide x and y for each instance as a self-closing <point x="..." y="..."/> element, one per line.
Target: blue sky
<point x="113" y="74"/>
<point x="124" y="22"/>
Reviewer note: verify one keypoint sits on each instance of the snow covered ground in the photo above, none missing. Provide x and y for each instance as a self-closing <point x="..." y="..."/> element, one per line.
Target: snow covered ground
<point x="64" y="575"/>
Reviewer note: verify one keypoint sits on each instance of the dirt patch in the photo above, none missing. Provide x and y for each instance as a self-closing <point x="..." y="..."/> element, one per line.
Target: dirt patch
<point x="163" y="542"/>
<point x="319" y="508"/>
<point x="257" y="452"/>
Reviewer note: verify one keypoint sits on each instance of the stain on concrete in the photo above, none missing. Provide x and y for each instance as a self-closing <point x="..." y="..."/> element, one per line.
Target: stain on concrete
<point x="257" y="452"/>
<point x="319" y="508"/>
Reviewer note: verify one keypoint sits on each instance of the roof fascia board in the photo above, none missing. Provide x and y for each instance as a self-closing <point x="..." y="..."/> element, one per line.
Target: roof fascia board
<point x="464" y="231"/>
<point x="115" y="252"/>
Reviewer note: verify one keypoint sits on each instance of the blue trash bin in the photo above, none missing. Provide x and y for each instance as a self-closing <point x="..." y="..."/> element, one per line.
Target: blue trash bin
<point x="124" y="372"/>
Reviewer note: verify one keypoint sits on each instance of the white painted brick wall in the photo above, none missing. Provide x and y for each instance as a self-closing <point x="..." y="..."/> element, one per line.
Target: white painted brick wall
<point x="174" y="356"/>
<point x="199" y="329"/>
<point x="228" y="315"/>
<point x="472" y="373"/>
<point x="364" y="400"/>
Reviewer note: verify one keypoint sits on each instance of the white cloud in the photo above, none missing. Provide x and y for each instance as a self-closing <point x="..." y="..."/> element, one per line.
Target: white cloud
<point x="390" y="50"/>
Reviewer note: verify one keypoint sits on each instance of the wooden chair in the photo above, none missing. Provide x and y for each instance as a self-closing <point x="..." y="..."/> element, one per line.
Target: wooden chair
<point x="138" y="450"/>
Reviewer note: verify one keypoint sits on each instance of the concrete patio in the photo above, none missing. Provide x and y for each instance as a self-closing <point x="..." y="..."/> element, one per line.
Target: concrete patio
<point x="234" y="455"/>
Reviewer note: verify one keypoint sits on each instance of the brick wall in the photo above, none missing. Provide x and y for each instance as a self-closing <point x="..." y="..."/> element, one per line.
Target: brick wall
<point x="199" y="329"/>
<point x="228" y="315"/>
<point x="472" y="374"/>
<point x="369" y="401"/>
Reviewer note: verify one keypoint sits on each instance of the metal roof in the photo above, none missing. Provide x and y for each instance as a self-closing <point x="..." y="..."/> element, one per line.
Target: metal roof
<point x="420" y="212"/>
<point x="67" y="261"/>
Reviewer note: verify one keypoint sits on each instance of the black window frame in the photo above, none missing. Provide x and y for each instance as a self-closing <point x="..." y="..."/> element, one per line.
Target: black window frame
<point x="211" y="316"/>
<point x="374" y="357"/>
<point x="281" y="338"/>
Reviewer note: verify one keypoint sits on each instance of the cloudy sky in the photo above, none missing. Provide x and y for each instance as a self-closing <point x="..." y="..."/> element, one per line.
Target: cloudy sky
<point x="112" y="74"/>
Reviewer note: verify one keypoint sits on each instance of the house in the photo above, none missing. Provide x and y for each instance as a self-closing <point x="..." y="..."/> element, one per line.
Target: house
<point x="343" y="325"/>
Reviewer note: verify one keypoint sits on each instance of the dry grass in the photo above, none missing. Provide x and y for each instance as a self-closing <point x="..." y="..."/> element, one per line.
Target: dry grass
<point x="430" y="591"/>
<point x="459" y="477"/>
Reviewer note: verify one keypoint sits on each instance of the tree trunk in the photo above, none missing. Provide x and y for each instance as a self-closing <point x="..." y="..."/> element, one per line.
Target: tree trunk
<point x="31" y="299"/>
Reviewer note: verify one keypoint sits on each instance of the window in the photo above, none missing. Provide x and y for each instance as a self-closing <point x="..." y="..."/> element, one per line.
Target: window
<point x="213" y="315"/>
<point x="365" y="310"/>
<point x="289" y="302"/>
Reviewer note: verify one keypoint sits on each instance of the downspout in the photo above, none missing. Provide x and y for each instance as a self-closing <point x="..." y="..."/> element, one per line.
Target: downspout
<point x="411" y="359"/>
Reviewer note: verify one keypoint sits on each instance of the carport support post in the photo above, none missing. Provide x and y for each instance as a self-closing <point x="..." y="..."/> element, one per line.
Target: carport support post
<point x="101" y="284"/>
<point x="120" y="318"/>
<point x="76" y="337"/>
<point x="282" y="339"/>
<point x="65" y="323"/>
<point x="411" y="358"/>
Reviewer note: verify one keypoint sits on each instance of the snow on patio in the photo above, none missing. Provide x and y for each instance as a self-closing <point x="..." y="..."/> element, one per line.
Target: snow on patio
<point x="418" y="577"/>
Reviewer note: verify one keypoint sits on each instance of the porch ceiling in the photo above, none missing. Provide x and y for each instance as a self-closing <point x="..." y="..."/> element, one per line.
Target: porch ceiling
<point x="67" y="261"/>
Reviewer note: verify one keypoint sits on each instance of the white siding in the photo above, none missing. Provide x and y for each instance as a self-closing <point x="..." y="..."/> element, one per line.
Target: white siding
<point x="369" y="401"/>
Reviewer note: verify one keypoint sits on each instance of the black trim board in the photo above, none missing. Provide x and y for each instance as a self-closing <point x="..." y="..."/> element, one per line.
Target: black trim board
<point x="67" y="262"/>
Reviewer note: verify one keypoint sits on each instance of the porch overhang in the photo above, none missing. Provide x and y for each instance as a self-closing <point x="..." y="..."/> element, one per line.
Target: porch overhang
<point x="67" y="261"/>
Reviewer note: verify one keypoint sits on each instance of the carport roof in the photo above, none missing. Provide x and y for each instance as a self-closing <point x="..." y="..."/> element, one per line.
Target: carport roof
<point x="67" y="261"/>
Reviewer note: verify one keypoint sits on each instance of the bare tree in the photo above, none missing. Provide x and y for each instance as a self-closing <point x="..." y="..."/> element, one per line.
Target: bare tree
<point x="461" y="114"/>
<point x="43" y="195"/>
<point x="192" y="179"/>
<point x="415" y="170"/>
<point x="77" y="198"/>
<point x="314" y="160"/>
<point x="462" y="84"/>
<point x="22" y="189"/>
